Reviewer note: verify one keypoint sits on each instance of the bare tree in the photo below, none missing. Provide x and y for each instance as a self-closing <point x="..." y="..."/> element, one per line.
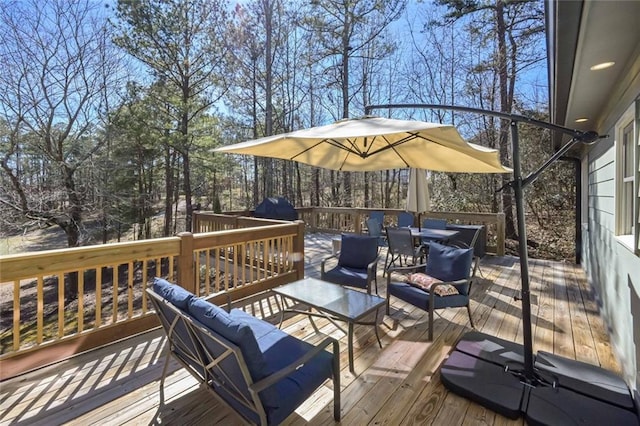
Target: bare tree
<point x="343" y="31"/>
<point x="511" y="28"/>
<point x="58" y="71"/>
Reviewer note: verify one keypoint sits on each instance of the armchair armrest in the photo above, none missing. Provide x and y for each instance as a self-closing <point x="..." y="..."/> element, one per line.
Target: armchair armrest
<point x="436" y="285"/>
<point x="273" y="378"/>
<point x="372" y="271"/>
<point x="404" y="270"/>
<point x="322" y="271"/>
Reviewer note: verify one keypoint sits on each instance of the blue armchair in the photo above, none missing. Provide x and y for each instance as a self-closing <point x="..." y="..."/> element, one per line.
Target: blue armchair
<point x="448" y="265"/>
<point x="357" y="262"/>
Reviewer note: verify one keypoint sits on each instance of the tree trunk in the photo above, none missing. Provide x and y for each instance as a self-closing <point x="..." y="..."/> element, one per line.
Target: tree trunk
<point x="367" y="200"/>
<point x="186" y="171"/>
<point x="269" y="170"/>
<point x="300" y="201"/>
<point x="168" y="189"/>
<point x="316" y="185"/>
<point x="72" y="226"/>
<point x="347" y="178"/>
<point x="505" y="107"/>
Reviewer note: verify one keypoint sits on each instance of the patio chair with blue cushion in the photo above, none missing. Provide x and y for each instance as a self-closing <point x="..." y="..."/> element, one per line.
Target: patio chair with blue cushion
<point x="444" y="282"/>
<point x="401" y="246"/>
<point x="405" y="219"/>
<point x="357" y="262"/>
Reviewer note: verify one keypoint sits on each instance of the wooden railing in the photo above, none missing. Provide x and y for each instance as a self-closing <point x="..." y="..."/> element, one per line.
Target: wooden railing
<point x="353" y="219"/>
<point x="349" y="219"/>
<point x="72" y="300"/>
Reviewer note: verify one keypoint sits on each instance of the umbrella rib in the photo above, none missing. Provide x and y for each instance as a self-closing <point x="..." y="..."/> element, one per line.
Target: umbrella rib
<point x="332" y="142"/>
<point x="353" y="150"/>
<point x="393" y="146"/>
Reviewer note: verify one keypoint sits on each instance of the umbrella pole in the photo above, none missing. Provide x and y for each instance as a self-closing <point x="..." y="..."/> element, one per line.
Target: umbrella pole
<point x="524" y="256"/>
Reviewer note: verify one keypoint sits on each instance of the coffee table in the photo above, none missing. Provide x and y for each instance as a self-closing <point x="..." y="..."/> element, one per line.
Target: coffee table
<point x="334" y="302"/>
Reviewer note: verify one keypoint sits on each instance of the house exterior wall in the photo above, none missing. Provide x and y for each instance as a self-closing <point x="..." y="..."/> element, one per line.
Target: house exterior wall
<point x="612" y="267"/>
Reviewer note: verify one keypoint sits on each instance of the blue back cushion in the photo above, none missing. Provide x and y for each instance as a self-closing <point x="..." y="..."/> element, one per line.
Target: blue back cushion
<point x="234" y="330"/>
<point x="449" y="263"/>
<point x="176" y="295"/>
<point x="183" y="347"/>
<point x="357" y="251"/>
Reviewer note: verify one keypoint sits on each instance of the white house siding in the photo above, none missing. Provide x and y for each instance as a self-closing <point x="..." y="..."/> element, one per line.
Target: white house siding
<point x="612" y="268"/>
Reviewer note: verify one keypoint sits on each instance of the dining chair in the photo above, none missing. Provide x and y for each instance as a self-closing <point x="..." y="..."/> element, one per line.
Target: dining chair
<point x="374" y="229"/>
<point x="405" y="219"/>
<point x="472" y="244"/>
<point x="434" y="223"/>
<point x="401" y="246"/>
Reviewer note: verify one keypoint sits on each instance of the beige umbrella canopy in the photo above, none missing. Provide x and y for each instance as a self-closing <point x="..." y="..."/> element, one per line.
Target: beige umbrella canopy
<point x="374" y="143"/>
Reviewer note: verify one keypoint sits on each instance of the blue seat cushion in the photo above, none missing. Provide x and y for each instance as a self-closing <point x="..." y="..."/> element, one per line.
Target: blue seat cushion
<point x="234" y="330"/>
<point x="347" y="276"/>
<point x="176" y="295"/>
<point x="357" y="251"/>
<point x="421" y="298"/>
<point x="449" y="263"/>
<point x="281" y="349"/>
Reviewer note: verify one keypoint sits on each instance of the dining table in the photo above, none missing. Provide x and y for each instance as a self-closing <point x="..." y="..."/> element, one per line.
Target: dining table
<point x="432" y="234"/>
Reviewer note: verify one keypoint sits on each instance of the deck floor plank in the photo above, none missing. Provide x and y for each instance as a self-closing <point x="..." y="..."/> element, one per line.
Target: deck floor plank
<point x="399" y="384"/>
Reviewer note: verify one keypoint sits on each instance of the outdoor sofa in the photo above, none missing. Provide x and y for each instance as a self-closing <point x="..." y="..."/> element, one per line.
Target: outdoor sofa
<point x="249" y="364"/>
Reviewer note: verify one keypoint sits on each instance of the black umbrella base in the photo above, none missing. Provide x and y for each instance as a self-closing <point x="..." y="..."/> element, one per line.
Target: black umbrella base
<point x="489" y="371"/>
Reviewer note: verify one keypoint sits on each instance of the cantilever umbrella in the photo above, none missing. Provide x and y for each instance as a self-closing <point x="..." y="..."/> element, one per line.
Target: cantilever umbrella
<point x="375" y="143"/>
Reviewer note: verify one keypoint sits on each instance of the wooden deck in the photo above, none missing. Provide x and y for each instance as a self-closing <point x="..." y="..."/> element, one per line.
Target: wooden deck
<point x="398" y="384"/>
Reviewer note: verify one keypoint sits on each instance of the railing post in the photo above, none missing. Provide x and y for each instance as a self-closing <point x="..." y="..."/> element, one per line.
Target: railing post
<point x="313" y="220"/>
<point x="298" y="250"/>
<point x="196" y="221"/>
<point x="357" y="226"/>
<point x="186" y="277"/>
<point x="501" y="234"/>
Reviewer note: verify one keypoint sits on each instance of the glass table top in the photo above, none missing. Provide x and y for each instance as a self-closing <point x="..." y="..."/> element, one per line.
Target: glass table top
<point x="331" y="298"/>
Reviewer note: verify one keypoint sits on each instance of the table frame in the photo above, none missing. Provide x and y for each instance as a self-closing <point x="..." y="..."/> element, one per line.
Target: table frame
<point x="330" y="314"/>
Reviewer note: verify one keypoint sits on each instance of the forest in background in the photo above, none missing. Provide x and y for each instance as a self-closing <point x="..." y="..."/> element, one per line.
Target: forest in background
<point x="109" y="112"/>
